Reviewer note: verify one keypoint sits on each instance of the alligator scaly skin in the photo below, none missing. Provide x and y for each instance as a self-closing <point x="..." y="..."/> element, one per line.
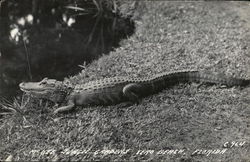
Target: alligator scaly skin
<point x="115" y="90"/>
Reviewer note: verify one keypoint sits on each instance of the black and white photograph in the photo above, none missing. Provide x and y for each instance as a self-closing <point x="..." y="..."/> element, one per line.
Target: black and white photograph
<point x="125" y="80"/>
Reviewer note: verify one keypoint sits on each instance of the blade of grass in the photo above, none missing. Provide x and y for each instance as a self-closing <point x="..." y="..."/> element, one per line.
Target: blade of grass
<point x="28" y="61"/>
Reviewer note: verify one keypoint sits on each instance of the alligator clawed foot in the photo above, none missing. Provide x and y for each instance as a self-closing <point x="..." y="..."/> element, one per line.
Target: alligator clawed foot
<point x="55" y="107"/>
<point x="55" y="112"/>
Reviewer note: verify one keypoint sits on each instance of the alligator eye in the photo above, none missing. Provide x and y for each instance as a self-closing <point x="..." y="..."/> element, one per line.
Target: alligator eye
<point x="42" y="83"/>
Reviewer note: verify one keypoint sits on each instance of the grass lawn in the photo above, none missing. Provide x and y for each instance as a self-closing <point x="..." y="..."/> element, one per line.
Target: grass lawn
<point x="187" y="122"/>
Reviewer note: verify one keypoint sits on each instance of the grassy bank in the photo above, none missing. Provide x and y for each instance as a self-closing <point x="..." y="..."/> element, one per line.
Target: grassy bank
<point x="208" y="36"/>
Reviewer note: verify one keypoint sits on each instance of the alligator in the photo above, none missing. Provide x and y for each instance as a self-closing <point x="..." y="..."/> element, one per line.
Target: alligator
<point x="115" y="90"/>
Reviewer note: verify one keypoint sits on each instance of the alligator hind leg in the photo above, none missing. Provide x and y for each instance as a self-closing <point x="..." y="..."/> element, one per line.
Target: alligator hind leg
<point x="131" y="91"/>
<point x="69" y="107"/>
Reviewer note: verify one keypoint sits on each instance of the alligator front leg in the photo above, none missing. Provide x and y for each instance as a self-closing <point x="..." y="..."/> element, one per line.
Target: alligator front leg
<point x="69" y="107"/>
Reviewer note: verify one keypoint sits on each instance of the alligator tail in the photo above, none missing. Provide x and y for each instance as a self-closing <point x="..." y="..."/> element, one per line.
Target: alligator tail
<point x="164" y="80"/>
<point x="217" y="79"/>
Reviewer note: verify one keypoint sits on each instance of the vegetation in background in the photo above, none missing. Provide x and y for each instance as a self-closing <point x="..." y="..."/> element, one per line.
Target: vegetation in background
<point x="52" y="38"/>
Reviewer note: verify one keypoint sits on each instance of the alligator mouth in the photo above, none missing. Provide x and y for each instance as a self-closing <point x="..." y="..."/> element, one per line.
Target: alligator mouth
<point x="27" y="89"/>
<point x="30" y="89"/>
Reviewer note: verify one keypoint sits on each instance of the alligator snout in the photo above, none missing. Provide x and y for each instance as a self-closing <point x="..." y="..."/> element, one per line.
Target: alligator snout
<point x="27" y="86"/>
<point x="22" y="85"/>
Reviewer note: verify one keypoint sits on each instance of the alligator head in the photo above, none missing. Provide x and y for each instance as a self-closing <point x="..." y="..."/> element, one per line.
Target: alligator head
<point x="50" y="89"/>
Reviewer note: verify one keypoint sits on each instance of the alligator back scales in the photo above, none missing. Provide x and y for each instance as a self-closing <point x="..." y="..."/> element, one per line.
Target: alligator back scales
<point x="114" y="90"/>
